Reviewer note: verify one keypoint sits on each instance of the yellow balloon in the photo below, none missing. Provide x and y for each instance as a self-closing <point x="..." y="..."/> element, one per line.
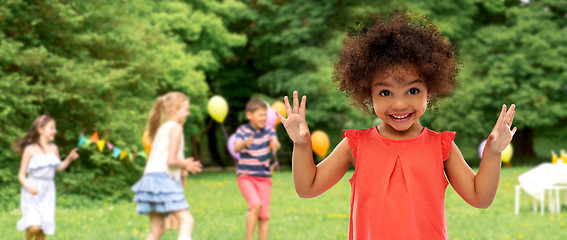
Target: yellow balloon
<point x="218" y="108"/>
<point x="507" y="153"/>
<point x="279" y="107"/>
<point x="320" y="143"/>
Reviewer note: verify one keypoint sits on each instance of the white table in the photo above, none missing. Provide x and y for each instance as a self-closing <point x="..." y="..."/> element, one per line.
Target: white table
<point x="544" y="177"/>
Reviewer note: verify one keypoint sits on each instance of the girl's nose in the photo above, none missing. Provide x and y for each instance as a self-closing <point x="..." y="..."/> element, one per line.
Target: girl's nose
<point x="399" y="103"/>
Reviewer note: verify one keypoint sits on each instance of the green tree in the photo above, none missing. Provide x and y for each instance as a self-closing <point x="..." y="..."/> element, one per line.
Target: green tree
<point x="292" y="45"/>
<point x="513" y="52"/>
<point x="98" y="66"/>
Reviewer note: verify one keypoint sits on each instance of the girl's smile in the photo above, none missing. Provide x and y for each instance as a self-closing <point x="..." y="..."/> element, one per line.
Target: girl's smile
<point x="401" y="117"/>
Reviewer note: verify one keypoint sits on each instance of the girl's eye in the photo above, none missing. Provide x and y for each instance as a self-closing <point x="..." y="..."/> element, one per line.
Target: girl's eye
<point x="413" y="91"/>
<point x="385" y="93"/>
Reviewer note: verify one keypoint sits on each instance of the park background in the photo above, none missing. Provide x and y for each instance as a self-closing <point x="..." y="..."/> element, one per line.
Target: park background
<point x="98" y="66"/>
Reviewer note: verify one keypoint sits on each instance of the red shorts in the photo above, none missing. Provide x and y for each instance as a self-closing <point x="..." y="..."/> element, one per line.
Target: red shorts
<point x="256" y="190"/>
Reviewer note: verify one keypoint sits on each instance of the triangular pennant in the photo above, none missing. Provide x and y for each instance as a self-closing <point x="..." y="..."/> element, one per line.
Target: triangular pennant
<point x="134" y="155"/>
<point x="94" y="137"/>
<point x="142" y="154"/>
<point x="100" y="144"/>
<point x="81" y="140"/>
<point x="109" y="145"/>
<point x="116" y="152"/>
<point x="123" y="155"/>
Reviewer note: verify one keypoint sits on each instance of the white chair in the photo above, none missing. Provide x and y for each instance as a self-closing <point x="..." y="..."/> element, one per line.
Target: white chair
<point x="554" y="206"/>
<point x="557" y="190"/>
<point x="517" y="201"/>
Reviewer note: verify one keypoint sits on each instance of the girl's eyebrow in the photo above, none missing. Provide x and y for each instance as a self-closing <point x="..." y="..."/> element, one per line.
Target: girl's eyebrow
<point x="388" y="85"/>
<point x="414" y="82"/>
<point x="382" y="84"/>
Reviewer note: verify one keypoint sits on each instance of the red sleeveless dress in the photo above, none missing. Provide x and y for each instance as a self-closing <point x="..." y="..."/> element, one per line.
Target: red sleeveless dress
<point x="398" y="186"/>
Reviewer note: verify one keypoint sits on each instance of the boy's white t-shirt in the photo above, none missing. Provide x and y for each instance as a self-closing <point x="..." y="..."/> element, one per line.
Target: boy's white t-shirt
<point x="157" y="161"/>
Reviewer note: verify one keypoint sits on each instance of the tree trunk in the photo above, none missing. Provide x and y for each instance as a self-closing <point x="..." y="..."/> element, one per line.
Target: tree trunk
<point x="523" y="143"/>
<point x="196" y="146"/>
<point x="213" y="148"/>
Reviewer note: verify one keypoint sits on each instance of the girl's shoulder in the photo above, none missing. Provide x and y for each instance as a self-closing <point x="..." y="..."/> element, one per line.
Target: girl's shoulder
<point x="353" y="133"/>
<point x="360" y="131"/>
<point x="29" y="150"/>
<point x="443" y="134"/>
<point x="166" y="129"/>
<point x="170" y="125"/>
<point x="53" y="148"/>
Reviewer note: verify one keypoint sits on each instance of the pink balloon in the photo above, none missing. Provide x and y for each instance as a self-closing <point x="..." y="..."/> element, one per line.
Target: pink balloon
<point x="271" y="122"/>
<point x="481" y="148"/>
<point x="230" y="146"/>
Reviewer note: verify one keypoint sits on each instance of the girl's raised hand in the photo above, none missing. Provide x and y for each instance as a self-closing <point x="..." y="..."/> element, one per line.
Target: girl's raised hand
<point x="501" y="134"/>
<point x="295" y="124"/>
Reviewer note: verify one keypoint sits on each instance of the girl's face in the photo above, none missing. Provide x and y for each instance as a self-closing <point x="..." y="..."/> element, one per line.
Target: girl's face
<point x="48" y="131"/>
<point x="182" y="113"/>
<point x="399" y="96"/>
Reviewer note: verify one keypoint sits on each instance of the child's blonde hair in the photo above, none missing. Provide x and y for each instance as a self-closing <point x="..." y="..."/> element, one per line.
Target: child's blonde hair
<point x="33" y="134"/>
<point x="163" y="105"/>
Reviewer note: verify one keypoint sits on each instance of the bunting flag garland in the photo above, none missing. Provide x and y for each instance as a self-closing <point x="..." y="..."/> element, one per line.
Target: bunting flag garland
<point x="94" y="137"/>
<point x="117" y="153"/>
<point x="82" y="140"/>
<point x="100" y="144"/>
<point x="123" y="155"/>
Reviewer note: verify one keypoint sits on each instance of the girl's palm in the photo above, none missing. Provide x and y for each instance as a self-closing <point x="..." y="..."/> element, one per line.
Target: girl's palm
<point x="501" y="134"/>
<point x="295" y="124"/>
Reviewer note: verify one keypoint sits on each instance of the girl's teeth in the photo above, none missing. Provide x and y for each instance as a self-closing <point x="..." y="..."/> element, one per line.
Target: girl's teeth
<point x="400" y="117"/>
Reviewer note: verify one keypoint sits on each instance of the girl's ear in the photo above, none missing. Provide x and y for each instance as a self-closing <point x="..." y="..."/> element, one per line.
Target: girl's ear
<point x="40" y="130"/>
<point x="248" y="115"/>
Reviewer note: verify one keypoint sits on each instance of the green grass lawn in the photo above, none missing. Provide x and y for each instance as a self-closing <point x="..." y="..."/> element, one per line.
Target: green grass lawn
<point x="219" y="212"/>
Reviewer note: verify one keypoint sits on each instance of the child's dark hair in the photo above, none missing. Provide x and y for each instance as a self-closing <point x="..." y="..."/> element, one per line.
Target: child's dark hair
<point x="400" y="38"/>
<point x="255" y="104"/>
<point x="33" y="134"/>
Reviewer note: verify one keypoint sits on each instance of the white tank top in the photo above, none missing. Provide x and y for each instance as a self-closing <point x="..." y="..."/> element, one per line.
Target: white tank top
<point x="157" y="161"/>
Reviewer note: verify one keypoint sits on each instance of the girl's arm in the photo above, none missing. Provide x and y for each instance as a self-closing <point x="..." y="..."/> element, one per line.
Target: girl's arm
<point x="189" y="164"/>
<point x="311" y="180"/>
<point x="26" y="156"/>
<point x="479" y="189"/>
<point x="70" y="157"/>
<point x="174" y="139"/>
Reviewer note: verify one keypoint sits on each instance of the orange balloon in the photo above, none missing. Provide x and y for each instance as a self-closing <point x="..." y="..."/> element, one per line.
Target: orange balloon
<point x="279" y="107"/>
<point x="320" y="143"/>
<point x="146" y="142"/>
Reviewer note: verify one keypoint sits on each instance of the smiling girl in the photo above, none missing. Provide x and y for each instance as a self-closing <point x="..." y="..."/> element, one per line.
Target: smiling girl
<point x="396" y="66"/>
<point x="40" y="160"/>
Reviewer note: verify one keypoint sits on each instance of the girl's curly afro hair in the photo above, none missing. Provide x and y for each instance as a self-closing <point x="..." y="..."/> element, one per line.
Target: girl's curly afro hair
<point x="396" y="39"/>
